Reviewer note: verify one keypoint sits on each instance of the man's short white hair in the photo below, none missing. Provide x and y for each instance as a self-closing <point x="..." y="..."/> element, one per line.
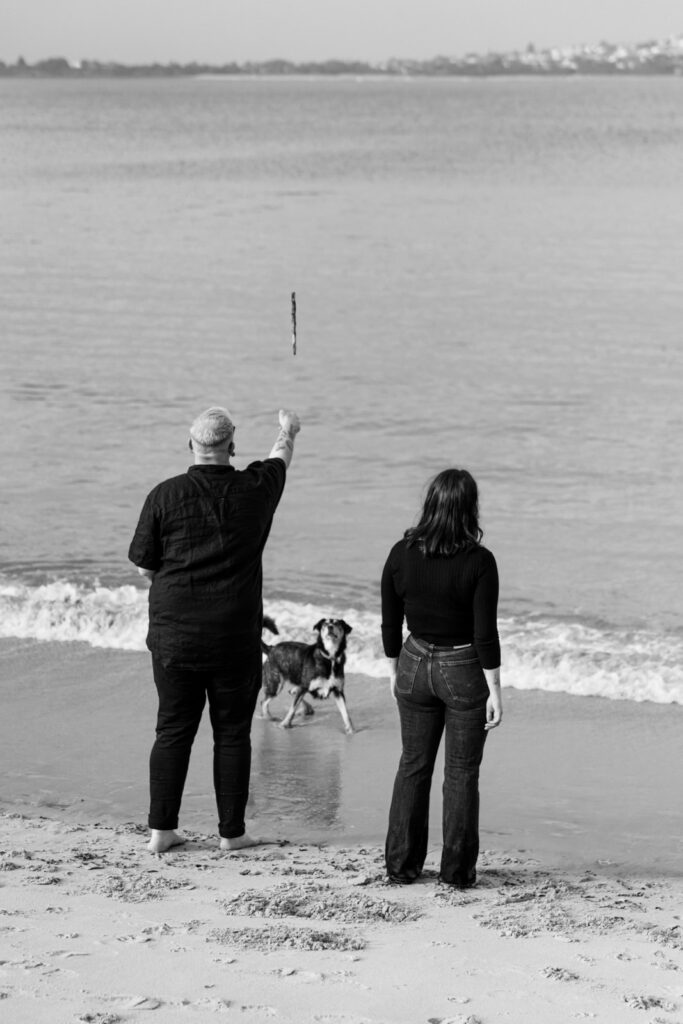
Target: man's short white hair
<point x="212" y="427"/>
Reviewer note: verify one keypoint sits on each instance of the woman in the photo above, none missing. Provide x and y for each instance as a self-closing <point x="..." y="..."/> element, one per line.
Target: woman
<point x="446" y="676"/>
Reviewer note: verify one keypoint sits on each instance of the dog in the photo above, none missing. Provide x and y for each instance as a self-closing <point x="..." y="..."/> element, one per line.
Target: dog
<point x="314" y="670"/>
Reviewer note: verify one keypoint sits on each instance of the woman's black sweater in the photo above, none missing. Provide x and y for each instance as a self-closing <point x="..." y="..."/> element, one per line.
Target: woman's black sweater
<point x="448" y="601"/>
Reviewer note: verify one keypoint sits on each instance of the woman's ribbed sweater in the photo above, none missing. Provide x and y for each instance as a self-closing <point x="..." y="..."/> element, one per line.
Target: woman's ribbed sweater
<point x="447" y="601"/>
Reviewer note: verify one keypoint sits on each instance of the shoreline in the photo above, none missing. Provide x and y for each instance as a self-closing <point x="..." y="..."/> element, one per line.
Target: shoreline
<point x="96" y="929"/>
<point x="576" y="914"/>
<point x="577" y="782"/>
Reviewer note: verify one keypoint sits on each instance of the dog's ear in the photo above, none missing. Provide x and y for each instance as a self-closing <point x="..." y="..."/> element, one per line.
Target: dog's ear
<point x="347" y="629"/>
<point x="318" y="626"/>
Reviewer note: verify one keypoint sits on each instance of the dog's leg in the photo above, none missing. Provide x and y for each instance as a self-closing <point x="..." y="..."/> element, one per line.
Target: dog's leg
<point x="304" y="708"/>
<point x="273" y="682"/>
<point x="286" y="722"/>
<point x="265" y="707"/>
<point x="341" y="704"/>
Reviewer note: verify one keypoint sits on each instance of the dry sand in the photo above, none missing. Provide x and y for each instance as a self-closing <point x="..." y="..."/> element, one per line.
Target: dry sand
<point x="97" y="929"/>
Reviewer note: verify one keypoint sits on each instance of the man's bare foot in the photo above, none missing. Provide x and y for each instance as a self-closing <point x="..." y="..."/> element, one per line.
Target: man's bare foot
<point x="245" y="841"/>
<point x="163" y="840"/>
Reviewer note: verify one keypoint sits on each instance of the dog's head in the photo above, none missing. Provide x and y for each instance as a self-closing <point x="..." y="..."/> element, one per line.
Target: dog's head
<point x="332" y="634"/>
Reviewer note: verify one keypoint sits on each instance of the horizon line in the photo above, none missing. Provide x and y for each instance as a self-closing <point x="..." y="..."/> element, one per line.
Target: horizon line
<point x="530" y="47"/>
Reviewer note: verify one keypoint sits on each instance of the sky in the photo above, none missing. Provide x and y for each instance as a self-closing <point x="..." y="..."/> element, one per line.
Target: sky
<point x="220" y="31"/>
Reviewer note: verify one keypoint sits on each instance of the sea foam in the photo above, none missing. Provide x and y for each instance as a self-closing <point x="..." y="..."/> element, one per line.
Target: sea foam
<point x="538" y="653"/>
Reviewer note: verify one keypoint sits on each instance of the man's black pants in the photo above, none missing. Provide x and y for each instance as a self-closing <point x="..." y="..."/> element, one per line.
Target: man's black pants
<point x="232" y="690"/>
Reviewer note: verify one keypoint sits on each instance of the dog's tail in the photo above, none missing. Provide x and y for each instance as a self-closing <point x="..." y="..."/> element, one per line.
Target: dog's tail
<point x="269" y="624"/>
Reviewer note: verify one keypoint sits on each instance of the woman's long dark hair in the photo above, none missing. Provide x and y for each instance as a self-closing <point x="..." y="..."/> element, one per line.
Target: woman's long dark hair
<point x="450" y="516"/>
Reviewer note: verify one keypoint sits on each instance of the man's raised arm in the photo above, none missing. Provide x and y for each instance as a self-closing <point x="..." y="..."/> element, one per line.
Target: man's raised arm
<point x="284" y="443"/>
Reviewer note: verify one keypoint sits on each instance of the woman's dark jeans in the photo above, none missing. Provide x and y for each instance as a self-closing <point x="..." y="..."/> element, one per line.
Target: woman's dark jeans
<point x="232" y="690"/>
<point x="437" y="689"/>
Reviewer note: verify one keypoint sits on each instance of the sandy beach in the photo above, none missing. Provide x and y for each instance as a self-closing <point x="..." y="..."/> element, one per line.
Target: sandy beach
<point x="96" y="929"/>
<point x="577" y="915"/>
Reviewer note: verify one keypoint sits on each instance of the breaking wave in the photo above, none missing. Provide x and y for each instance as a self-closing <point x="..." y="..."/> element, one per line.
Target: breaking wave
<point x="541" y="654"/>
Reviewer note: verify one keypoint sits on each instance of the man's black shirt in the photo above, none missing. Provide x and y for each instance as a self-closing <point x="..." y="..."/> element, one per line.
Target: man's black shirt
<point x="203" y="534"/>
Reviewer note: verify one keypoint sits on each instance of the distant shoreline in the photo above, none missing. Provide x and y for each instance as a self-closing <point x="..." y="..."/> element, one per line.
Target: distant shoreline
<point x="338" y="76"/>
<point x="607" y="59"/>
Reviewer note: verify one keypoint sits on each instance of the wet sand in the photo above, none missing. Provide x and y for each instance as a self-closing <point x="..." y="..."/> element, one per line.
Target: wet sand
<point x="574" y="781"/>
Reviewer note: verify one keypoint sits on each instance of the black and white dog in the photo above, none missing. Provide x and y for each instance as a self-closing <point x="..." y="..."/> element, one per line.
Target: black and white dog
<point x="314" y="670"/>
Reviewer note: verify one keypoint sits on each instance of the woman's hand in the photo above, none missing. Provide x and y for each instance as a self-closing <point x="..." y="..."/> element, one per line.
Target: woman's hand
<point x="494" y="710"/>
<point x="494" y="704"/>
<point x="393" y="672"/>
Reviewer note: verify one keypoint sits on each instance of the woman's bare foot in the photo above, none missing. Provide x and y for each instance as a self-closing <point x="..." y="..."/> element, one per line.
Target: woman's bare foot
<point x="163" y="840"/>
<point x="244" y="842"/>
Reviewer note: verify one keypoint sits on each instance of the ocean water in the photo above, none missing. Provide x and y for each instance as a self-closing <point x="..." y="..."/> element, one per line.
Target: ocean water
<point x="487" y="274"/>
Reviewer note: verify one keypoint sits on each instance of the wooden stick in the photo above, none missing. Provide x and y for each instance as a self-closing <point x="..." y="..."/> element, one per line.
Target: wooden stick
<point x="293" y="323"/>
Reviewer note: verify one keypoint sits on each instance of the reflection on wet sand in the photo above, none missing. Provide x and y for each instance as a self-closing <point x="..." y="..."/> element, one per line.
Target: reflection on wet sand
<point x="297" y="776"/>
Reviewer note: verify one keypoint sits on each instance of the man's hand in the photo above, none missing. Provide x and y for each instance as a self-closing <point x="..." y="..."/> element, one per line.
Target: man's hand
<point x="284" y="444"/>
<point x="289" y="421"/>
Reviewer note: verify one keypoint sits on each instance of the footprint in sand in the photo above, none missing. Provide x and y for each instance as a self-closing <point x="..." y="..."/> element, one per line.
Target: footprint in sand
<point x="458" y="1019"/>
<point x="142" y="1003"/>
<point x="154" y="931"/>
<point x="25" y="965"/>
<point x="559" y="974"/>
<point x="296" y="975"/>
<point x="212" y="1004"/>
<point x="100" y="1018"/>
<point x="662" y="962"/>
<point x="649" y="1003"/>
<point x="339" y="1018"/>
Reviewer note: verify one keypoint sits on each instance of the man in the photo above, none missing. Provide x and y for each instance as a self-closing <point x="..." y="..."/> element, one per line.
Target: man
<point x="200" y="540"/>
